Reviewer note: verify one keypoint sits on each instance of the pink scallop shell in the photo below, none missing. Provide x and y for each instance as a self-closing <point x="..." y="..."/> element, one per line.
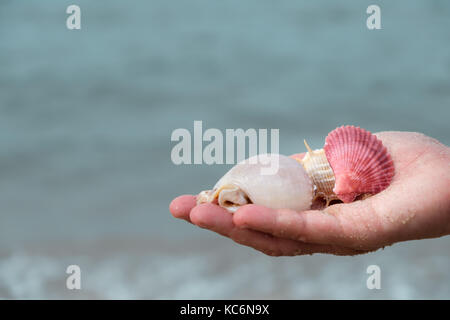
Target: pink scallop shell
<point x="360" y="162"/>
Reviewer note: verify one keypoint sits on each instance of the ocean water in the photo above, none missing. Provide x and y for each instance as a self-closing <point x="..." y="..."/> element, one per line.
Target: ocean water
<point x="87" y="115"/>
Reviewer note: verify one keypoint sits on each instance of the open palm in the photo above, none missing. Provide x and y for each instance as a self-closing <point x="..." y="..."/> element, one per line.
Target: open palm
<point x="415" y="206"/>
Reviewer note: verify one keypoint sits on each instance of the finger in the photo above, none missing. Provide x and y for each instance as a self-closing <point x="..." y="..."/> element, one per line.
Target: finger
<point x="219" y="220"/>
<point x="181" y="206"/>
<point x="213" y="217"/>
<point x="321" y="227"/>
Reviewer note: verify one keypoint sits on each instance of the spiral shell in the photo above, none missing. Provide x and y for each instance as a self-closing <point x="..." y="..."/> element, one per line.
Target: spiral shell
<point x="288" y="188"/>
<point x="319" y="170"/>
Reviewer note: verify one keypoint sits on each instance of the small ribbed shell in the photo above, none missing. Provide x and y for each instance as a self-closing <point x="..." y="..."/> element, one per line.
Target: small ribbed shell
<point x="319" y="170"/>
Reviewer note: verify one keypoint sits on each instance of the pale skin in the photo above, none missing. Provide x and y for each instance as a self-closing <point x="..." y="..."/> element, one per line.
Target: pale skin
<point x="415" y="206"/>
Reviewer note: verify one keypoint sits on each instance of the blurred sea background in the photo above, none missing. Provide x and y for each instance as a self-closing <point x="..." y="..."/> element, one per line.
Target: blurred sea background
<point x="86" y="118"/>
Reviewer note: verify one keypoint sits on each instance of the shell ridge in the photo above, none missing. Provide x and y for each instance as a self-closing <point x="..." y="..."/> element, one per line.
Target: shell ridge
<point x="359" y="160"/>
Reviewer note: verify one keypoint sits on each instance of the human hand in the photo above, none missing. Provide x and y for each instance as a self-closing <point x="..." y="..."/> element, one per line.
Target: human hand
<point x="415" y="206"/>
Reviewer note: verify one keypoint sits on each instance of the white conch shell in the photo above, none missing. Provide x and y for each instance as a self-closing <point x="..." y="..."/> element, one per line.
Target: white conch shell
<point x="319" y="170"/>
<point x="290" y="187"/>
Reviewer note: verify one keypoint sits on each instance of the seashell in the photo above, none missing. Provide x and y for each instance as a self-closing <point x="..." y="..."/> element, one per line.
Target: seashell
<point x="360" y="162"/>
<point x="288" y="188"/>
<point x="319" y="170"/>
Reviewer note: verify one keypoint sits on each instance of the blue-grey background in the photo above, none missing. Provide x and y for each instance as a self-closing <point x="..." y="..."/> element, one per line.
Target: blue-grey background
<point x="86" y="118"/>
